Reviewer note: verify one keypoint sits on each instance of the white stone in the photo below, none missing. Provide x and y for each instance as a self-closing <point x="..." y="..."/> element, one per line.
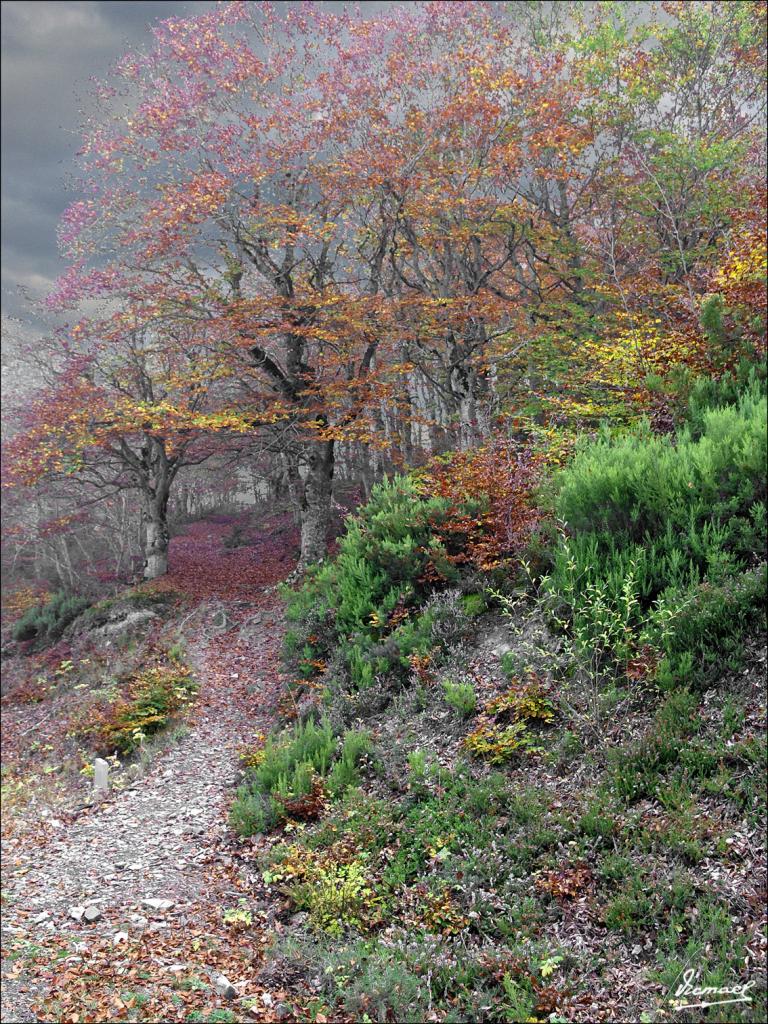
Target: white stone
<point x="225" y="987"/>
<point x="91" y="914"/>
<point x="156" y="904"/>
<point x="76" y="913"/>
<point x="119" y="937"/>
<point x="100" y="775"/>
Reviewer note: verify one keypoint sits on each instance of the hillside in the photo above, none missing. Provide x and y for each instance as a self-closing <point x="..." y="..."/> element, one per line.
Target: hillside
<point x="478" y="794"/>
<point x="384" y="544"/>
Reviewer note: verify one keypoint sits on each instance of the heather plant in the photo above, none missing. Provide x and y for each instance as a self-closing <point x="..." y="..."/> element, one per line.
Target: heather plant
<point x="706" y="393"/>
<point x="460" y="696"/>
<point x="711" y="621"/>
<point x="345" y="774"/>
<point x="657" y="533"/>
<point x="309" y="743"/>
<point x="473" y="604"/>
<point x="291" y="772"/>
<point x="45" y="623"/>
<point x="366" y="604"/>
<point x="638" y="488"/>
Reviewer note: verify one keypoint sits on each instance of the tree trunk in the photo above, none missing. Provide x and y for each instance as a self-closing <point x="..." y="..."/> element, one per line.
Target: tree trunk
<point x="316" y="504"/>
<point x="156" y="537"/>
<point x="292" y="481"/>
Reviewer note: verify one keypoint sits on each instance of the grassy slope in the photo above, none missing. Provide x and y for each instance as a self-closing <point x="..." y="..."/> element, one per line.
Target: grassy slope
<point x="580" y="880"/>
<point x="578" y="869"/>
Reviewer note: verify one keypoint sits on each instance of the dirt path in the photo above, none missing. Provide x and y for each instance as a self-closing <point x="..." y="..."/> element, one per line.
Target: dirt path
<point x="154" y="840"/>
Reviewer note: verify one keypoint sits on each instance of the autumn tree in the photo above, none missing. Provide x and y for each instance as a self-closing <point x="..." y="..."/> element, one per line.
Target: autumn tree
<point x="327" y="204"/>
<point x="125" y="413"/>
<point x="245" y="230"/>
<point x="652" y="122"/>
<point x="344" y="213"/>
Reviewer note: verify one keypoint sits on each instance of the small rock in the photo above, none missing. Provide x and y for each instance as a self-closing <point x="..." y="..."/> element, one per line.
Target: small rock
<point x="76" y="913"/>
<point x="119" y="937"/>
<point x="636" y="949"/>
<point x="138" y="921"/>
<point x="158" y="926"/>
<point x="91" y="914"/>
<point x="282" y="1011"/>
<point x="225" y="987"/>
<point x="221" y="620"/>
<point x="501" y="650"/>
<point x="40" y="917"/>
<point x="176" y="968"/>
<point x="300" y="919"/>
<point x="156" y="904"/>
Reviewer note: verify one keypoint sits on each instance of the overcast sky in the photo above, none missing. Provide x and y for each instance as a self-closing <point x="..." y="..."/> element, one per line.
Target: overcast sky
<point x="49" y="51"/>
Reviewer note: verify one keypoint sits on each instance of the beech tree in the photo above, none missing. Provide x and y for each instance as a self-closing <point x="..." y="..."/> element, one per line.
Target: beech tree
<point x="274" y="180"/>
<point x="318" y="206"/>
<point x="244" y="228"/>
<point x="126" y="414"/>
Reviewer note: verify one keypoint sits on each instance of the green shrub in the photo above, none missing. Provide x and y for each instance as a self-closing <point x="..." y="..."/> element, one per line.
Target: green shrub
<point x="628" y="490"/>
<point x="701" y="932"/>
<point x="658" y="532"/>
<point x="345" y="774"/>
<point x="712" y="620"/>
<point x="509" y="663"/>
<point x="287" y="769"/>
<point x="632" y="908"/>
<point x="377" y="981"/>
<point x="460" y="696"/>
<point x="45" y="623"/>
<point x="309" y="743"/>
<point x="363" y="605"/>
<point x="707" y="393"/>
<point x="637" y="770"/>
<point x="252" y="812"/>
<point x="473" y="604"/>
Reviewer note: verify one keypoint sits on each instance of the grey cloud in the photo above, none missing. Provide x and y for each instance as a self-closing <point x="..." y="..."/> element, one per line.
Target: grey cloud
<point x="49" y="52"/>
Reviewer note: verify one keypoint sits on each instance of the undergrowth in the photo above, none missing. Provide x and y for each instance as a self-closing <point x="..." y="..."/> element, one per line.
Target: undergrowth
<point x="429" y="876"/>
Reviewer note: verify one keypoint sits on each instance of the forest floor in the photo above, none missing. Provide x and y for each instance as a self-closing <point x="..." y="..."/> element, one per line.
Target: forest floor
<point x="161" y="838"/>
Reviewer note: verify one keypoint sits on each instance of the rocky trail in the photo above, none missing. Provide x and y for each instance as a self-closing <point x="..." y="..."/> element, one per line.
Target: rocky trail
<point x="132" y="886"/>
